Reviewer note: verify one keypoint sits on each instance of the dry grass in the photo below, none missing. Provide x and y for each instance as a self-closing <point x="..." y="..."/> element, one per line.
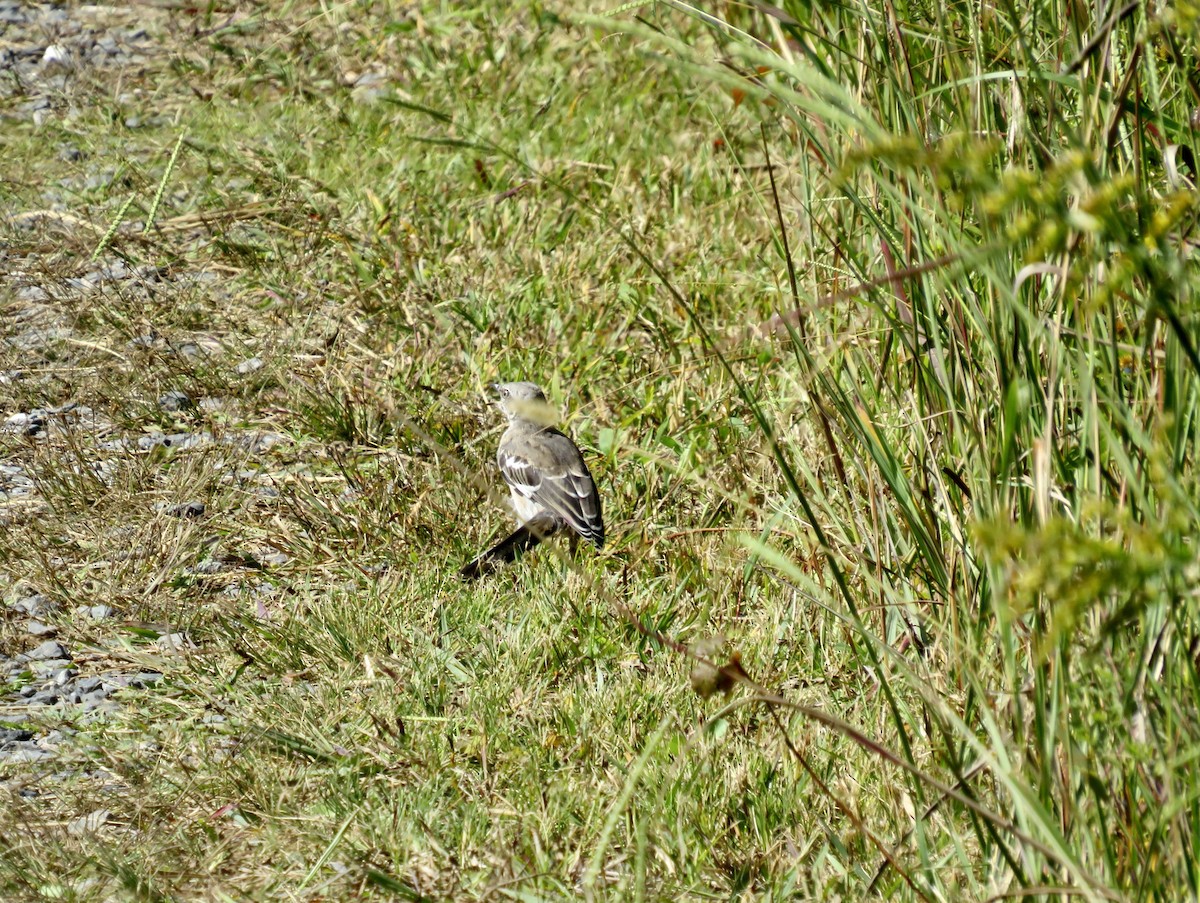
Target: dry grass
<point x="387" y="206"/>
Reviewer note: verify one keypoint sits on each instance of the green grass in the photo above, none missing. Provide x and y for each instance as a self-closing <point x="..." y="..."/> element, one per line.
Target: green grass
<point x="943" y="512"/>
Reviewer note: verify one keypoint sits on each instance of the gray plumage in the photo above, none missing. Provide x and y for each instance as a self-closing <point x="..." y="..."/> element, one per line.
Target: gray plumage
<point x="551" y="486"/>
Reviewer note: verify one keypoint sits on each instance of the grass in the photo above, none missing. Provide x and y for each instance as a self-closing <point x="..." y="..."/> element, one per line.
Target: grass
<point x="876" y="324"/>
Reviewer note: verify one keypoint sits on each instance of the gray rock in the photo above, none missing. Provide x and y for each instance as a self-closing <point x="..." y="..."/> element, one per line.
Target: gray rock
<point x="46" y="668"/>
<point x="101" y="612"/>
<point x="90" y="700"/>
<point x="37" y="105"/>
<point x="90" y="684"/>
<point x="12" y="735"/>
<point x="95" y="710"/>
<point x="173" y="440"/>
<point x="246" y="367"/>
<point x="51" y="649"/>
<point x="90" y="823"/>
<point x="63" y="676"/>
<point x="36" y="605"/>
<point x="44" y="697"/>
<point x="175" y="401"/>
<point x="37" y="628"/>
<point x="32" y="293"/>
<point x="31" y="423"/>
<point x="191" y="509"/>
<point x="20" y="752"/>
<point x="118" y="269"/>
<point x="98" y="705"/>
<point x="175" y="642"/>
<point x="13" y="14"/>
<point x="56" y="55"/>
<point x="260" y="442"/>
<point x="138" y="681"/>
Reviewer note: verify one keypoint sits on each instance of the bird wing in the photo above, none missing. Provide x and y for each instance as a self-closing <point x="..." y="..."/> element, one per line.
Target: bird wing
<point x="546" y="467"/>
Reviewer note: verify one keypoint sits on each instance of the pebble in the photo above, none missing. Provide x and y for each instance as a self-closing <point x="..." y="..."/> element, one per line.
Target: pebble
<point x="35" y="605"/>
<point x="186" y="510"/>
<point x="56" y="55"/>
<point x="248" y="366"/>
<point x="90" y="823"/>
<point x="49" y="666"/>
<point x="94" y="710"/>
<point x="37" y="628"/>
<point x="149" y="340"/>
<point x="51" y="649"/>
<point x="175" y="642"/>
<point x="173" y="440"/>
<point x="32" y="294"/>
<point x="12" y="13"/>
<point x="137" y="681"/>
<point x="175" y="401"/>
<point x="32" y="423"/>
<point x="258" y="443"/>
<point x="25" y="752"/>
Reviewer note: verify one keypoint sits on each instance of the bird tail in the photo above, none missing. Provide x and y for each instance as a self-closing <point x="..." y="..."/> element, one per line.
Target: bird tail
<point x="522" y="539"/>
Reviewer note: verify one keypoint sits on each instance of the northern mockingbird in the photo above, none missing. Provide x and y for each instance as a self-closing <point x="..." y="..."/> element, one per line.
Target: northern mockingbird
<point x="551" y="487"/>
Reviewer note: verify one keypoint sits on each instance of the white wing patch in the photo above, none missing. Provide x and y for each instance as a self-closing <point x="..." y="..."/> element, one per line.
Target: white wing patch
<point x="569" y="496"/>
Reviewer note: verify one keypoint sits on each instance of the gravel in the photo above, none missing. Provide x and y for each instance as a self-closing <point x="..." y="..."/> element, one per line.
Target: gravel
<point x="51" y="57"/>
<point x="57" y="685"/>
<point x="47" y="46"/>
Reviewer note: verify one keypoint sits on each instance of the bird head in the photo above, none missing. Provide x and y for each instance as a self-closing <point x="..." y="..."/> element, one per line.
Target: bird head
<point x="524" y="401"/>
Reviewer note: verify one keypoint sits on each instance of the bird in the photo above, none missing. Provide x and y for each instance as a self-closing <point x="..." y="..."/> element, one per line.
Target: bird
<point x="551" y="486"/>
